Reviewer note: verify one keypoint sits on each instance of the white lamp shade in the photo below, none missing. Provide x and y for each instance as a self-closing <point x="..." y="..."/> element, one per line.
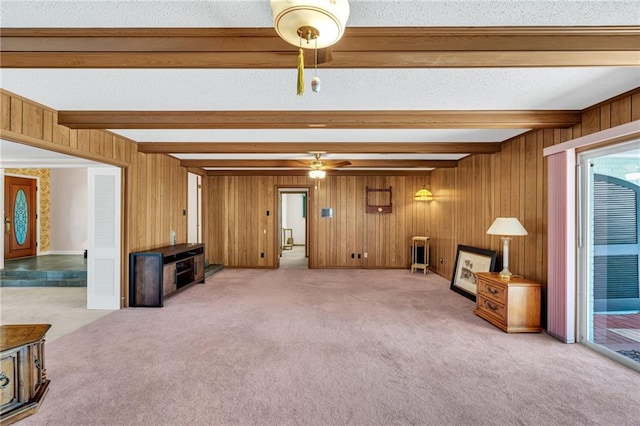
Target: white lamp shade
<point x="329" y="17"/>
<point x="507" y="226"/>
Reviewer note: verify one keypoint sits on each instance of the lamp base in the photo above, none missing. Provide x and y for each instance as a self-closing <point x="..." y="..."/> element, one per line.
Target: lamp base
<point x="505" y="274"/>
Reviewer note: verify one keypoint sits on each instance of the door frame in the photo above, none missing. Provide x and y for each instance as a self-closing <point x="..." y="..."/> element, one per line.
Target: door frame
<point x="124" y="201"/>
<point x="196" y="203"/>
<point x="309" y="247"/>
<point x="562" y="218"/>
<point x="37" y="179"/>
<point x="585" y="250"/>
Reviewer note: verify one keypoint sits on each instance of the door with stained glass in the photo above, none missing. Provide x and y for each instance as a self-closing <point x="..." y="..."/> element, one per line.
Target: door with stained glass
<point x="19" y="217"/>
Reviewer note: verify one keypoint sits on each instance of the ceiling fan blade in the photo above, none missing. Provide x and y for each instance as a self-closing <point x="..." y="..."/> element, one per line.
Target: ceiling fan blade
<point x="337" y="163"/>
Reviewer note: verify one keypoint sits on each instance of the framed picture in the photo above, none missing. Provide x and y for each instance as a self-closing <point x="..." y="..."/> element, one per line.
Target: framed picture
<point x="470" y="260"/>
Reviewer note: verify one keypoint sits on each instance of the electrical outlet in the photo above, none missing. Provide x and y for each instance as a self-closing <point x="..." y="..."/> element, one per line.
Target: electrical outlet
<point x="442" y="260"/>
<point x="262" y="254"/>
<point x="353" y="255"/>
<point x="366" y="254"/>
<point x="359" y="256"/>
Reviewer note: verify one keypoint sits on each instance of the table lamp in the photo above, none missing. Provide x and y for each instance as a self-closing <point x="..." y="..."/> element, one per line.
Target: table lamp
<point x="506" y="227"/>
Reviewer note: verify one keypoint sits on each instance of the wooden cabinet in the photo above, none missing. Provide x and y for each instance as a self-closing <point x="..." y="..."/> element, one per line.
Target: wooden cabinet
<point x="513" y="306"/>
<point x="159" y="273"/>
<point x="23" y="377"/>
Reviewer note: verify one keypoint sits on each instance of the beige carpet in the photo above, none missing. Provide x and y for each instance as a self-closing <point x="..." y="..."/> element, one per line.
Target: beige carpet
<point x="325" y="347"/>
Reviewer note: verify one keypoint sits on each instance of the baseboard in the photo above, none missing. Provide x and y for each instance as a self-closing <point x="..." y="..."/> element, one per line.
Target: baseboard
<point x="68" y="252"/>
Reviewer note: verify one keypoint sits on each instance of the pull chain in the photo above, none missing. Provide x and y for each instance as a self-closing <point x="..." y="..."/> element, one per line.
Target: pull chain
<point x="315" y="81"/>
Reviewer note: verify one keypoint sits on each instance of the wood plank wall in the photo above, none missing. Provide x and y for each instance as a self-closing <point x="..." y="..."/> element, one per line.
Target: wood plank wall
<point x="155" y="185"/>
<point x="237" y="220"/>
<point x="158" y="188"/>
<point x="467" y="198"/>
<point x="510" y="183"/>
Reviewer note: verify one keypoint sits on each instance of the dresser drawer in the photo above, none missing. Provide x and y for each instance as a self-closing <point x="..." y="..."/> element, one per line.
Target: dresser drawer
<point x="492" y="308"/>
<point x="512" y="305"/>
<point x="492" y="290"/>
<point x="9" y="381"/>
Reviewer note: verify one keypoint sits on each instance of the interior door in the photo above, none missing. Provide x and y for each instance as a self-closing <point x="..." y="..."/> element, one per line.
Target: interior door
<point x="19" y="217"/>
<point x="104" y="220"/>
<point x="279" y="229"/>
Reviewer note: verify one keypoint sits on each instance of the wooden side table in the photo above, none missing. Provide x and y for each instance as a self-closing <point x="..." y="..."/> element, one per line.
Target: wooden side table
<point x="23" y="376"/>
<point x="513" y="305"/>
<point x="416" y="261"/>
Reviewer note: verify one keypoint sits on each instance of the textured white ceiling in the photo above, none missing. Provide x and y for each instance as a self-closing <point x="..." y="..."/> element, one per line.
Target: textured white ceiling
<point x="322" y="135"/>
<point x="342" y="89"/>
<point x="243" y="13"/>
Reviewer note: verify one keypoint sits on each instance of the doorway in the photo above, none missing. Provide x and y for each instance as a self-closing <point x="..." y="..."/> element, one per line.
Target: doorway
<point x="102" y="202"/>
<point x="609" y="252"/>
<point x="293" y="238"/>
<point x="20" y="213"/>
<point x="194" y="208"/>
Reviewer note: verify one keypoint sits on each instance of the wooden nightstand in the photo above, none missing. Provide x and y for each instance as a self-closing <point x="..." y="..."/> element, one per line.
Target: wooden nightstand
<point x="513" y="306"/>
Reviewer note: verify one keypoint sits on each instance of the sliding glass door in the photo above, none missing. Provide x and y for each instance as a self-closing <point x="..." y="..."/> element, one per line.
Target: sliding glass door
<point x="608" y="250"/>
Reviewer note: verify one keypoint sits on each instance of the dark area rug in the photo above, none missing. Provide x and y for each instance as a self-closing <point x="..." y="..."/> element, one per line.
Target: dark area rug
<point x="633" y="354"/>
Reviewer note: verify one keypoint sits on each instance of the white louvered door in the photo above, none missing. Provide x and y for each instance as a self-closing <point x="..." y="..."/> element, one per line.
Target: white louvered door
<point x="104" y="221"/>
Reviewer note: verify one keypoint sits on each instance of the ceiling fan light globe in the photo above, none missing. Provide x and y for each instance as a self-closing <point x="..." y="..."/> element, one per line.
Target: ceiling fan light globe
<point x="328" y="17"/>
<point x="317" y="174"/>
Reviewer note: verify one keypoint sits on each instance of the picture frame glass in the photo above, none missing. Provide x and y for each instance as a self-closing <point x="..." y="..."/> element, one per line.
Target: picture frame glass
<point x="469" y="261"/>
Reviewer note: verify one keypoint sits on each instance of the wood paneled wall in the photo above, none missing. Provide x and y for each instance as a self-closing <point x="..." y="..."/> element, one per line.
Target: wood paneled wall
<point x="24" y="121"/>
<point x="467" y="198"/>
<point x="155" y="185"/>
<point x="239" y="229"/>
<point x="512" y="182"/>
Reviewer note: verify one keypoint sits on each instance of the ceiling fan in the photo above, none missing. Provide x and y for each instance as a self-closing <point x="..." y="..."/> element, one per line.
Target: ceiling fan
<point x="310" y="25"/>
<point x="318" y="168"/>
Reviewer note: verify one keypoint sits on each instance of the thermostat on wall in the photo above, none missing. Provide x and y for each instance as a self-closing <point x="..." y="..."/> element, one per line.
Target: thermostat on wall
<point x="326" y="212"/>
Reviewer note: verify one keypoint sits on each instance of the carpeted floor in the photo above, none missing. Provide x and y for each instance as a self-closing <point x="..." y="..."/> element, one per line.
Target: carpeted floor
<point x="325" y="347"/>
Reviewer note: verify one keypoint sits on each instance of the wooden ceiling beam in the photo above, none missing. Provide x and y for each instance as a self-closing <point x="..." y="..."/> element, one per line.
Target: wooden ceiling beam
<point x="361" y="47"/>
<point x="305" y="164"/>
<point x="407" y="119"/>
<point x="341" y="60"/>
<point x="332" y="147"/>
